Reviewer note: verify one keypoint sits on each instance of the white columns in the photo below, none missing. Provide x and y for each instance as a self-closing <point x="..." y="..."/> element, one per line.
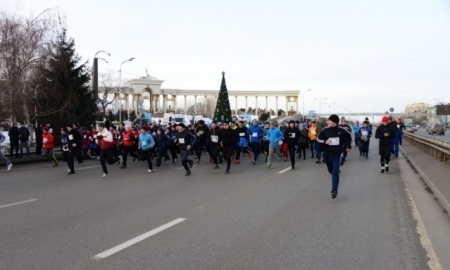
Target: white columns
<point x="174" y="103"/>
<point x="164" y="103"/>
<point x="276" y="105"/>
<point x="256" y="106"/>
<point x="195" y="104"/>
<point x="185" y="104"/>
<point x="246" y="105"/>
<point x="267" y="103"/>
<point x="236" y="106"/>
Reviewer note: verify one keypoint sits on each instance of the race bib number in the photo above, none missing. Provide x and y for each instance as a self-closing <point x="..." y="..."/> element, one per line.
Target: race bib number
<point x="313" y="132"/>
<point x="280" y="142"/>
<point x="70" y="137"/>
<point x="365" y="133"/>
<point x="214" y="138"/>
<point x="242" y="134"/>
<point x="144" y="143"/>
<point x="181" y="140"/>
<point x="334" y="141"/>
<point x="254" y="134"/>
<point x="44" y="140"/>
<point x="292" y="135"/>
<point x="85" y="136"/>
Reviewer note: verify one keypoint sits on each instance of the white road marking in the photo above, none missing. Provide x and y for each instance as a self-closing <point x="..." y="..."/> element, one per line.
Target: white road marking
<point x="8" y="205"/>
<point x="85" y="168"/>
<point x="285" y="170"/>
<point x="135" y="240"/>
<point x="433" y="261"/>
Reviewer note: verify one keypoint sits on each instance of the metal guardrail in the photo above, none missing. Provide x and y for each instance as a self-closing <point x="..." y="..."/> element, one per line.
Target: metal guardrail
<point x="436" y="148"/>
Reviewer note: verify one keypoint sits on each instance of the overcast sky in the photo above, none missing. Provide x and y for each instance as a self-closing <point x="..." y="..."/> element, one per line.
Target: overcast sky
<point x="367" y="55"/>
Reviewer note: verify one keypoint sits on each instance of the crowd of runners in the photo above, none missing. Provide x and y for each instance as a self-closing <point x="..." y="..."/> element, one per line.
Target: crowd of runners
<point x="225" y="143"/>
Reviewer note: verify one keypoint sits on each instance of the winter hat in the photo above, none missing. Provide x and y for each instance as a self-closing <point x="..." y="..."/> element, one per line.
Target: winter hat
<point x="334" y="118"/>
<point x="385" y="119"/>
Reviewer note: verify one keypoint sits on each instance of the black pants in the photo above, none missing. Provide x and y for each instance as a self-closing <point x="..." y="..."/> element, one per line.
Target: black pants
<point x="161" y="153"/>
<point x="14" y="144"/>
<point x="302" y="150"/>
<point x="107" y="156"/>
<point x="291" y="149"/>
<point x="256" y="147"/>
<point x="198" y="149"/>
<point x="128" y="150"/>
<point x="147" y="155"/>
<point x="70" y="159"/>
<point x="38" y="147"/>
<point x="385" y="155"/>
<point x="215" y="152"/>
<point x="227" y="154"/>
<point x="185" y="160"/>
<point x="78" y="155"/>
<point x="173" y="151"/>
<point x="65" y="156"/>
<point x="240" y="149"/>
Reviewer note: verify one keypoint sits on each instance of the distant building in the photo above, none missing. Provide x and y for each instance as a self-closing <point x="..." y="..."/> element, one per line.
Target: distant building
<point x="417" y="108"/>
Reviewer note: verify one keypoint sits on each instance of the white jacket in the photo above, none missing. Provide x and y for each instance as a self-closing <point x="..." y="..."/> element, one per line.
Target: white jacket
<point x="107" y="136"/>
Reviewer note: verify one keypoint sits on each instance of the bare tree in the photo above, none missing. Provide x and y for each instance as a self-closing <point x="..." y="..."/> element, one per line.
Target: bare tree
<point x="24" y="44"/>
<point x="110" y="90"/>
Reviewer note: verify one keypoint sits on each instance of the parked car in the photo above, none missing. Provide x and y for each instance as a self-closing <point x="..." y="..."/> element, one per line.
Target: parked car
<point x="437" y="129"/>
<point x="410" y="128"/>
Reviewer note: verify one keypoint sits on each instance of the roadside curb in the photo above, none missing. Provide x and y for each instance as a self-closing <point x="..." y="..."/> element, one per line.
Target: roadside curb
<point x="31" y="160"/>
<point x="442" y="200"/>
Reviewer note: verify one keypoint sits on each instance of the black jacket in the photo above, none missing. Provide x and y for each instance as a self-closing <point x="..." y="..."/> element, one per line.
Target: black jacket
<point x="24" y="134"/>
<point x="291" y="136"/>
<point x="38" y="132"/>
<point x="303" y="136"/>
<point x="204" y="134"/>
<point x="242" y="132"/>
<point x="214" y="132"/>
<point x="187" y="137"/>
<point x="74" y="137"/>
<point x="228" y="137"/>
<point x="13" y="134"/>
<point x="379" y="134"/>
<point x="341" y="139"/>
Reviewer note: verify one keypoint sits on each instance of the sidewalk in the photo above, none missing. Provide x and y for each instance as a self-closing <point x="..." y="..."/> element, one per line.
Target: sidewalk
<point x="32" y="159"/>
<point x="435" y="174"/>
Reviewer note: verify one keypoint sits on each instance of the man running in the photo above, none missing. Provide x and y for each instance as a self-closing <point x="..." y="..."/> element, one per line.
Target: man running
<point x="256" y="133"/>
<point x="105" y="140"/>
<point x="185" y="141"/>
<point x="334" y="140"/>
<point x="385" y="133"/>
<point x="2" y="156"/>
<point x="292" y="135"/>
<point x="228" y="138"/>
<point x="48" y="144"/>
<point x="275" y="137"/>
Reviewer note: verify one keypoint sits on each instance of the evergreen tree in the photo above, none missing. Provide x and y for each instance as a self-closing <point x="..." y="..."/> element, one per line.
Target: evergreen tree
<point x="63" y="86"/>
<point x="223" y="111"/>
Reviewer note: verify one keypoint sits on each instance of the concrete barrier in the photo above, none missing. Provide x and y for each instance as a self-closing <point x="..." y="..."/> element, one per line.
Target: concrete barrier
<point x="436" y="148"/>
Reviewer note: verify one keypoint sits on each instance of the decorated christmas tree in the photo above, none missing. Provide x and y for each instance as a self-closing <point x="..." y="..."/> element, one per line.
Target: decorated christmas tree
<point x="222" y="113"/>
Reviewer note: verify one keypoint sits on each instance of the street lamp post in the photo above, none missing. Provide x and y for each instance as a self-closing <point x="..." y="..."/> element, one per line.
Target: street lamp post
<point x="120" y="85"/>
<point x="304" y="102"/>
<point x="329" y="107"/>
<point x="95" y="73"/>
<point x="320" y="101"/>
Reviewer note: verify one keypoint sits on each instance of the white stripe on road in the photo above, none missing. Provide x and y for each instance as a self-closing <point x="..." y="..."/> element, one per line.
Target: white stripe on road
<point x="285" y="170"/>
<point x="85" y="168"/>
<point x="135" y="240"/>
<point x="8" y="205"/>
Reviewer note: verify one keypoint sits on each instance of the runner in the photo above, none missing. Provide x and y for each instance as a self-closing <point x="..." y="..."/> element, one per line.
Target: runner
<point x="385" y="133"/>
<point x="292" y="136"/>
<point x="127" y="146"/>
<point x="146" y="144"/>
<point x="105" y="140"/>
<point x="256" y="133"/>
<point x="215" y="144"/>
<point x="74" y="139"/>
<point x="2" y="156"/>
<point x="242" y="146"/>
<point x="228" y="138"/>
<point x="185" y="140"/>
<point x="48" y="145"/>
<point x="364" y="133"/>
<point x="275" y="137"/>
<point x="334" y="140"/>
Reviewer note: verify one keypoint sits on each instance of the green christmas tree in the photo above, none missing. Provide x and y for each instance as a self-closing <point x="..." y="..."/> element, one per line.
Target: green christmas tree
<point x="222" y="113"/>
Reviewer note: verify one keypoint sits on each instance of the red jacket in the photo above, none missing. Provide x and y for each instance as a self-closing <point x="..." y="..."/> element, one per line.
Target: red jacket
<point x="86" y="140"/>
<point x="128" y="138"/>
<point x="48" y="140"/>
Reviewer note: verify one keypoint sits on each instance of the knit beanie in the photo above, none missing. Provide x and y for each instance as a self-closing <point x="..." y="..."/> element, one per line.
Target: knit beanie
<point x="334" y="118"/>
<point x="385" y="119"/>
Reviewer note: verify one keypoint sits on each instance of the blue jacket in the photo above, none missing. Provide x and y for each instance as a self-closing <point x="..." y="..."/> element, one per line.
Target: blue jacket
<point x="255" y="130"/>
<point x="398" y="135"/>
<point x="274" y="135"/>
<point x="146" y="141"/>
<point x="356" y="129"/>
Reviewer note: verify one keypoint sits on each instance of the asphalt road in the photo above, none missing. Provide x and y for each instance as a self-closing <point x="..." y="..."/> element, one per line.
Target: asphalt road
<point x="253" y="218"/>
<point x="424" y="132"/>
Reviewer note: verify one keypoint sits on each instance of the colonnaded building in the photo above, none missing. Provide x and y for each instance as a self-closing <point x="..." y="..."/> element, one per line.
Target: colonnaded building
<point x="147" y="93"/>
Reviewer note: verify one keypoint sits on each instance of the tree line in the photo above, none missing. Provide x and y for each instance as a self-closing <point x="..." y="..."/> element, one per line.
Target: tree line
<point x="42" y="78"/>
